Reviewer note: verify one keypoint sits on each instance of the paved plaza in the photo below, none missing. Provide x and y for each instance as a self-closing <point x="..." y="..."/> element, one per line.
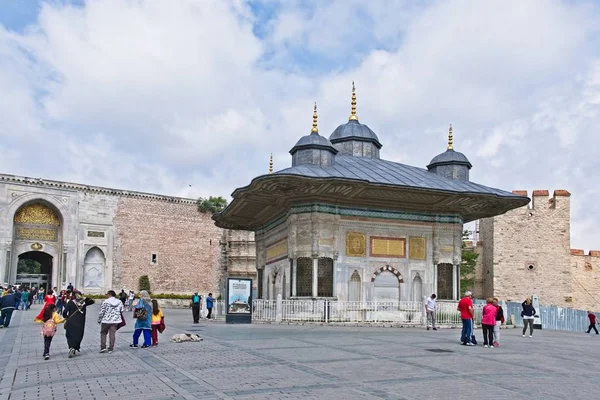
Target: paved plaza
<point x="297" y="362"/>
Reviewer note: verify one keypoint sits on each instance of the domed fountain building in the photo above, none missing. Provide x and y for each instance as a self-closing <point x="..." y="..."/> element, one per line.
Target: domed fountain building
<point x="343" y="223"/>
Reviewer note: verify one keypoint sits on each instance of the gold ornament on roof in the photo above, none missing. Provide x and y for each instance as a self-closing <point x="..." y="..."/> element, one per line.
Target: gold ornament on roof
<point x="353" y="116"/>
<point x="314" y="127"/>
<point x="450" y="138"/>
<point x="38" y="214"/>
<point x="271" y="164"/>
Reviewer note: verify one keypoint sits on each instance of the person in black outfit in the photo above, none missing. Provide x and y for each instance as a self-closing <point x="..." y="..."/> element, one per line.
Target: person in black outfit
<point x="123" y="297"/>
<point x="195" y="304"/>
<point x="75" y="325"/>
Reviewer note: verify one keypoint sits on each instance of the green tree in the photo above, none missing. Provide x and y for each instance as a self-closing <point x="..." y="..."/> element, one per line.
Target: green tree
<point x="467" y="265"/>
<point x="211" y="205"/>
<point x="29" y="267"/>
<point x="144" y="283"/>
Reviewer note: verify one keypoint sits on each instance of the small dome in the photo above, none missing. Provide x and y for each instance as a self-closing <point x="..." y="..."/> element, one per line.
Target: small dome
<point x="354" y="130"/>
<point x="313" y="141"/>
<point x="450" y="157"/>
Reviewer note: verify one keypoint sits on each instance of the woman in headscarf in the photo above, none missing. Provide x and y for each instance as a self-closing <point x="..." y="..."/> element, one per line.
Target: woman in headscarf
<point x="143" y="320"/>
<point x="49" y="299"/>
<point x="74" y="313"/>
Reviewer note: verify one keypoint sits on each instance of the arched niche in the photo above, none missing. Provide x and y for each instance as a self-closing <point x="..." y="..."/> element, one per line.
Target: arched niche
<point x="355" y="287"/>
<point x="93" y="269"/>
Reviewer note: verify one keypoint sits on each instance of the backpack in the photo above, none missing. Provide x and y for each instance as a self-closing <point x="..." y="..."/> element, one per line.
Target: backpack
<point x="196" y="299"/>
<point x="49" y="328"/>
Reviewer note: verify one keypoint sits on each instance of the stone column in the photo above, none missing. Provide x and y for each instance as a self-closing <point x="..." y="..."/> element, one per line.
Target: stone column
<point x="315" y="282"/>
<point x="435" y="277"/>
<point x="294" y="263"/>
<point x="454" y="282"/>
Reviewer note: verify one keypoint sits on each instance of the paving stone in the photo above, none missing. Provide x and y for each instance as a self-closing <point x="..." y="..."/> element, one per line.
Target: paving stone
<point x="268" y="361"/>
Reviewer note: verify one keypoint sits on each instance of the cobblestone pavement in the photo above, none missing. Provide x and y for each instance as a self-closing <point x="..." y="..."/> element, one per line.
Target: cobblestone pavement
<point x="297" y="362"/>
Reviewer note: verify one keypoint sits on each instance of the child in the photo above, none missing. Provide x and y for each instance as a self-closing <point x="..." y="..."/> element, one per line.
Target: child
<point x="157" y="317"/>
<point x="50" y="319"/>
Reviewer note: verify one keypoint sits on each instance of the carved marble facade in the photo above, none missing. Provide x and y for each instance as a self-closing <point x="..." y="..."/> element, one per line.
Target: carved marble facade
<point x="378" y="257"/>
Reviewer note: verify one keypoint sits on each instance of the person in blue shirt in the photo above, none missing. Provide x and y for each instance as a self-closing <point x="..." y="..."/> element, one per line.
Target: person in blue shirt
<point x="209" y="305"/>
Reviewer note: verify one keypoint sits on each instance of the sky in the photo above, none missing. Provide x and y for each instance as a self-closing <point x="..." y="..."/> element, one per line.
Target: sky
<point x="190" y="97"/>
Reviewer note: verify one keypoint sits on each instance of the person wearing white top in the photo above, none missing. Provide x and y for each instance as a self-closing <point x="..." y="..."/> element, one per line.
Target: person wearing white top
<point x="430" y="310"/>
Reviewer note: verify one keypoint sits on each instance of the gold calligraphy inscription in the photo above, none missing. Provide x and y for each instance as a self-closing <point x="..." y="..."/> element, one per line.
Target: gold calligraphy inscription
<point x="388" y="247"/>
<point x="277" y="251"/>
<point x="356" y="244"/>
<point x="38" y="214"/>
<point x="417" y="248"/>
<point x="36" y="234"/>
<point x="447" y="249"/>
<point x="95" y="234"/>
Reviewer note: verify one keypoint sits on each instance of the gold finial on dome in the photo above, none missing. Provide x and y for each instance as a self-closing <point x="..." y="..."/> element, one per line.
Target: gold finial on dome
<point x="271" y="164"/>
<point x="353" y="116"/>
<point x="450" y="139"/>
<point x="314" y="128"/>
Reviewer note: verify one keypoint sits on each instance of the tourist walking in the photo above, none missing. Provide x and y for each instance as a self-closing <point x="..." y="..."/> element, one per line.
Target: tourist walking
<point x="109" y="318"/>
<point x="49" y="299"/>
<point x="157" y="321"/>
<point x="196" y="303"/>
<point x="527" y="315"/>
<point x="7" y="306"/>
<point x="130" y="299"/>
<point x="499" y="322"/>
<point x="592" y="318"/>
<point x="465" y="306"/>
<point x="32" y="297"/>
<point x="50" y="320"/>
<point x="123" y="297"/>
<point x="75" y="311"/>
<point x="40" y="298"/>
<point x="209" y="305"/>
<point x="143" y="320"/>
<point x="488" y="322"/>
<point x="430" y="311"/>
<point x="24" y="299"/>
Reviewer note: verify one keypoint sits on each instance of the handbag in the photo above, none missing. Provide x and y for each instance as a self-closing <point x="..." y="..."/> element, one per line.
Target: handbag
<point x="140" y="313"/>
<point x="122" y="323"/>
<point x="162" y="327"/>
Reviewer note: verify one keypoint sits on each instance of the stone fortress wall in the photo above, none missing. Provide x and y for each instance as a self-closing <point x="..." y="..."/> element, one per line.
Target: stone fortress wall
<point x="108" y="238"/>
<point x="528" y="251"/>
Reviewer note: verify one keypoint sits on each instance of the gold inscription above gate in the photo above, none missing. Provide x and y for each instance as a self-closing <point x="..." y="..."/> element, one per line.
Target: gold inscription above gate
<point x="37" y="214"/>
<point x="388" y="247"/>
<point x="356" y="244"/>
<point x="36" y="234"/>
<point x="417" y="248"/>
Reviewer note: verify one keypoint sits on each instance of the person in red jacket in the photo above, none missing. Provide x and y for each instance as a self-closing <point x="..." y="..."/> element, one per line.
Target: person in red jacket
<point x="592" y="318"/>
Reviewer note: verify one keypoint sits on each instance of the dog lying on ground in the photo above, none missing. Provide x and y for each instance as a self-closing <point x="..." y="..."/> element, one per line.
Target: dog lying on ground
<point x="186" y="337"/>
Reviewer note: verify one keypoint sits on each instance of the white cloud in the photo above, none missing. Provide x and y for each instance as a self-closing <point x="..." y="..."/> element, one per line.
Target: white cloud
<point x="158" y="96"/>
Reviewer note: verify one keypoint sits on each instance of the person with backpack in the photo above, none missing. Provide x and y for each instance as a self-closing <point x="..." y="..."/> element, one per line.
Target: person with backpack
<point x="196" y="303"/>
<point x="50" y="319"/>
<point x="109" y="318"/>
<point x="75" y="311"/>
<point x="24" y="299"/>
<point x="158" y="322"/>
<point x="143" y="321"/>
<point x="7" y="306"/>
